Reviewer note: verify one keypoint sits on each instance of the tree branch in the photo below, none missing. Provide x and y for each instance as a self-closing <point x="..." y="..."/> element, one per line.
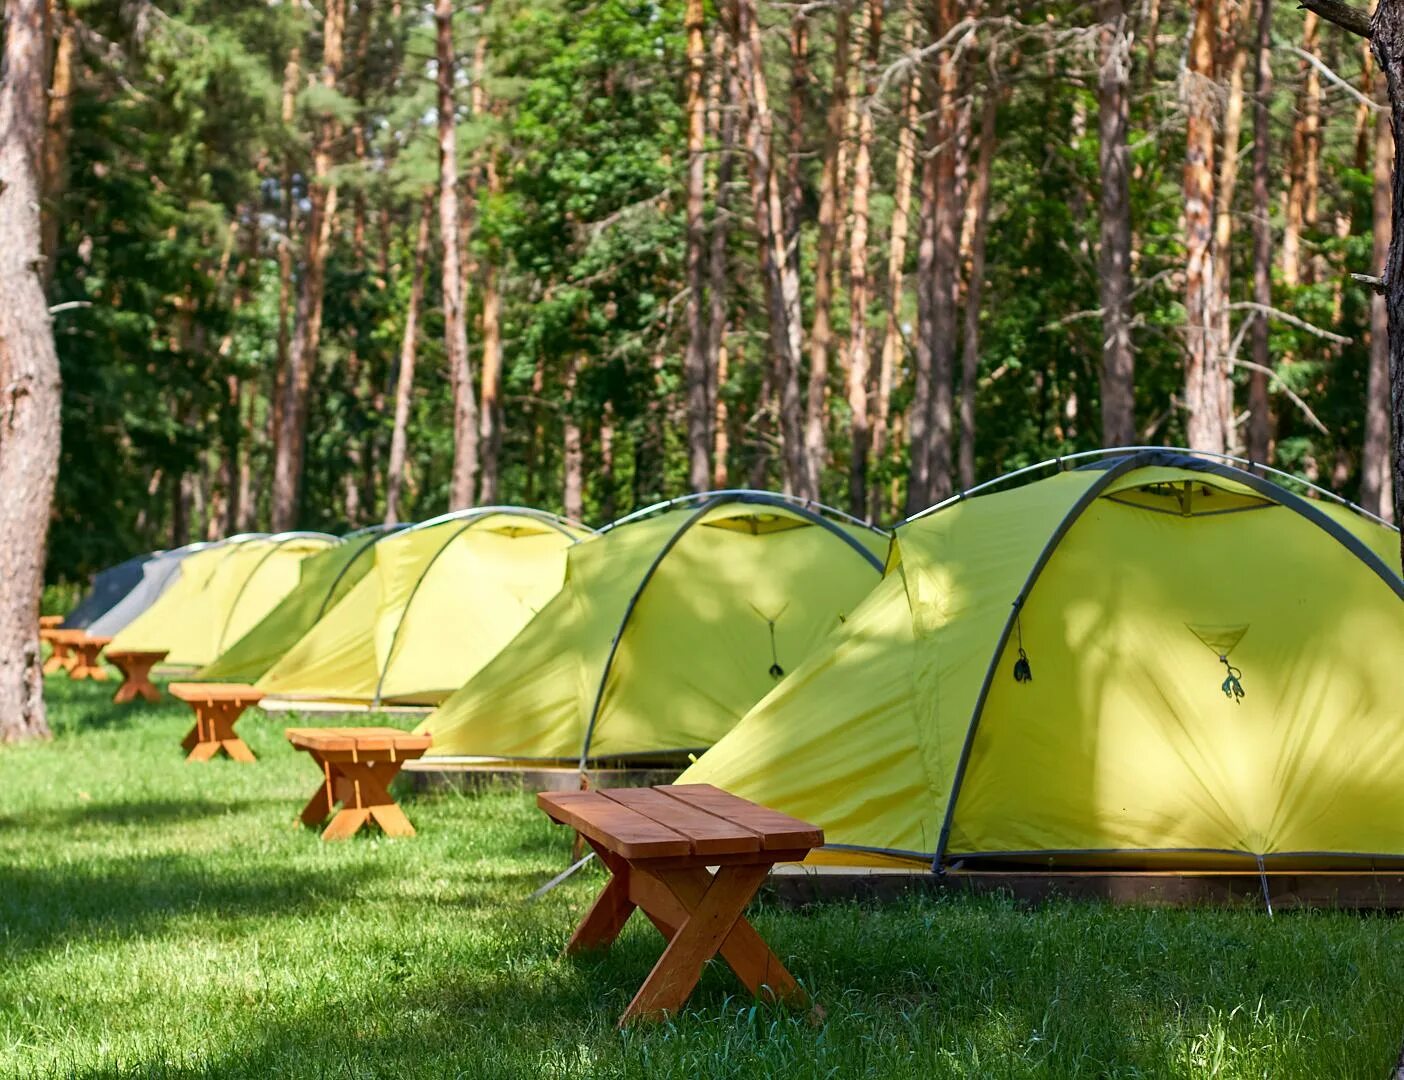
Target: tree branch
<point x="1277" y="381"/>
<point x="1346" y="16"/>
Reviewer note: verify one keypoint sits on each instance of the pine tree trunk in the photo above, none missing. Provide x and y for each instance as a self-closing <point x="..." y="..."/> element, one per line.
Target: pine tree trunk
<point x="941" y="322"/>
<point x="919" y="414"/>
<point x="465" y="405"/>
<point x="1114" y="253"/>
<point x="1206" y="426"/>
<point x="974" y="290"/>
<point x="892" y="344"/>
<point x="404" y="378"/>
<point x="725" y="102"/>
<point x="858" y="356"/>
<point x="1388" y="46"/>
<point x="1301" y="158"/>
<point x="58" y="124"/>
<point x="573" y="456"/>
<point x="490" y="430"/>
<point x="307" y="324"/>
<point x="1374" y="451"/>
<point x="1259" y="407"/>
<point x="799" y="94"/>
<point x="292" y="75"/>
<point x="1232" y="59"/>
<point x="695" y="374"/>
<point x="30" y="392"/>
<point x="821" y="335"/>
<point x="782" y="284"/>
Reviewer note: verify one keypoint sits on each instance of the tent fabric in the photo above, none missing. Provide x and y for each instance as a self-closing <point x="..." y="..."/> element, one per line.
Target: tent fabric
<point x="667" y="630"/>
<point x="437" y="603"/>
<point x="221" y="593"/>
<point x="108" y="588"/>
<point x="323" y="580"/>
<point x="910" y="736"/>
<point x="157" y="575"/>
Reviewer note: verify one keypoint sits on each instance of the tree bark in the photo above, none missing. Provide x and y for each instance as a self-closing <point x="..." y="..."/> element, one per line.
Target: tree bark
<point x="1233" y="59"/>
<point x="30" y="392"/>
<point x="919" y="414"/>
<point x="821" y="331"/>
<point x="1302" y="156"/>
<point x="490" y="429"/>
<point x="465" y="404"/>
<point x="695" y="374"/>
<point x="404" y="378"/>
<point x="1259" y="407"/>
<point x="940" y="325"/>
<point x="892" y="345"/>
<point x="1374" y="451"/>
<point x="58" y="124"/>
<point x="858" y="358"/>
<point x="1206" y="380"/>
<point x="726" y="102"/>
<point x="307" y="324"/>
<point x="782" y="284"/>
<point x="573" y="456"/>
<point x="974" y="290"/>
<point x="1114" y="253"/>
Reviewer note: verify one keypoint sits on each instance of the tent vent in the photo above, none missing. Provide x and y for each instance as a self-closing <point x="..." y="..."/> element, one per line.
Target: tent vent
<point x="1222" y="639"/>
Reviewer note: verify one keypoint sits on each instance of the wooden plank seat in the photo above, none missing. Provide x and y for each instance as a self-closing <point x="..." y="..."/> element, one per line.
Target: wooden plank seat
<point x="658" y="844"/>
<point x="358" y="765"/>
<point x="84" y="659"/>
<point x="135" y="666"/>
<point x="218" y="707"/>
<point x="50" y="622"/>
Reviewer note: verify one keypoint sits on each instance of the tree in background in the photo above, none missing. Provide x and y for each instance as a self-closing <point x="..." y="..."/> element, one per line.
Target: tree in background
<point x="29" y="374"/>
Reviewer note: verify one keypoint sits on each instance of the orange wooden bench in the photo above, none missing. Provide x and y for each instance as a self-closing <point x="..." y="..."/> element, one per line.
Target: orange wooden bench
<point x="62" y="655"/>
<point x="358" y="764"/>
<point x="658" y="843"/>
<point x="50" y="622"/>
<point x="135" y="666"/>
<point x="218" y="707"/>
<point x="86" y="653"/>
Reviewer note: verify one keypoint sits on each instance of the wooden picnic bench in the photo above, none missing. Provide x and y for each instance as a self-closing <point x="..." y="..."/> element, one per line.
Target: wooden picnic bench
<point x="135" y="666"/>
<point x="50" y="622"/>
<point x="658" y="844"/>
<point x="218" y="707"/>
<point x="86" y="652"/>
<point x="358" y="764"/>
<point x="62" y="655"/>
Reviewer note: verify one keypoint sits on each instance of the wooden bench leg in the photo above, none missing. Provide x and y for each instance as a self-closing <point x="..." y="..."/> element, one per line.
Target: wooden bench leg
<point x="136" y="682"/>
<point x="363" y="791"/>
<point x="610" y="911"/>
<point x="696" y="941"/>
<point x="319" y="808"/>
<point x="214" y="731"/>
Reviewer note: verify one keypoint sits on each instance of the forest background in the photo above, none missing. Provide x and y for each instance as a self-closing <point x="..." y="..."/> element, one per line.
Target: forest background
<point x="325" y="264"/>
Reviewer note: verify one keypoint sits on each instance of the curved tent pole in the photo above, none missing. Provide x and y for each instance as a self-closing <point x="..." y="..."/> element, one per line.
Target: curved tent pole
<point x="474" y="516"/>
<point x="277" y="540"/>
<point x="556" y="521"/>
<point x="1084" y="455"/>
<point x="785" y="500"/>
<point x="1131" y="463"/>
<point x="762" y="498"/>
<point x="373" y="535"/>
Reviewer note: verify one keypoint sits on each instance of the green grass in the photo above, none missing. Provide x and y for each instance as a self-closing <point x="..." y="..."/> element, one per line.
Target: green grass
<point x="159" y="919"/>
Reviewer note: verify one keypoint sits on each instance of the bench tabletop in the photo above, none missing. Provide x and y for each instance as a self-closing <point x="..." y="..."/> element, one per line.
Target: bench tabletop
<point x="137" y="654"/>
<point x="360" y="739"/>
<point x="677" y="820"/>
<point x="215" y="692"/>
<point x="72" y="637"/>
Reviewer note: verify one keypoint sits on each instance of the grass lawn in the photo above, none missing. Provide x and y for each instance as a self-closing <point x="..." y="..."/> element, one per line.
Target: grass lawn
<point x="159" y="919"/>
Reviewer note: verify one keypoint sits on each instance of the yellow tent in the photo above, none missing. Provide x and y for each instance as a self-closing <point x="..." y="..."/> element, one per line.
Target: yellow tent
<point x="222" y="591"/>
<point x="1152" y="661"/>
<point x="439" y="602"/>
<point x="669" y="627"/>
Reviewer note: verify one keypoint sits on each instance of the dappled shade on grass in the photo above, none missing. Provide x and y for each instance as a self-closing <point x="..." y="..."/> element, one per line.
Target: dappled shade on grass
<point x="158" y="920"/>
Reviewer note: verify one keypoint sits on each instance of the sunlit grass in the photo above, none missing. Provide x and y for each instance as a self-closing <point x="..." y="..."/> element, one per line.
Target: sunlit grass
<point x="165" y="920"/>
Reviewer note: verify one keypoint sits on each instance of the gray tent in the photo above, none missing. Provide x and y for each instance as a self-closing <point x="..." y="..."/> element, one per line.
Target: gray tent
<point x="108" y="588"/>
<point x="157" y="575"/>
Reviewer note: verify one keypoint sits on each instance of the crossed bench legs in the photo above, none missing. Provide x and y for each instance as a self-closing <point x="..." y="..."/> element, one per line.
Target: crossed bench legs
<point x="363" y="790"/>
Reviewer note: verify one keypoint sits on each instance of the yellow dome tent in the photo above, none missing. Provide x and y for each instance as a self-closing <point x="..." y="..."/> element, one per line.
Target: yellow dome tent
<point x="1152" y="661"/>
<point x="222" y="591"/>
<point x="323" y="579"/>
<point x="669" y="627"/>
<point x="440" y="600"/>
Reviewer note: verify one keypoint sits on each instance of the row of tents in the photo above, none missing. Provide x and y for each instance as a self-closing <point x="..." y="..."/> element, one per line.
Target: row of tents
<point x="1146" y="659"/>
